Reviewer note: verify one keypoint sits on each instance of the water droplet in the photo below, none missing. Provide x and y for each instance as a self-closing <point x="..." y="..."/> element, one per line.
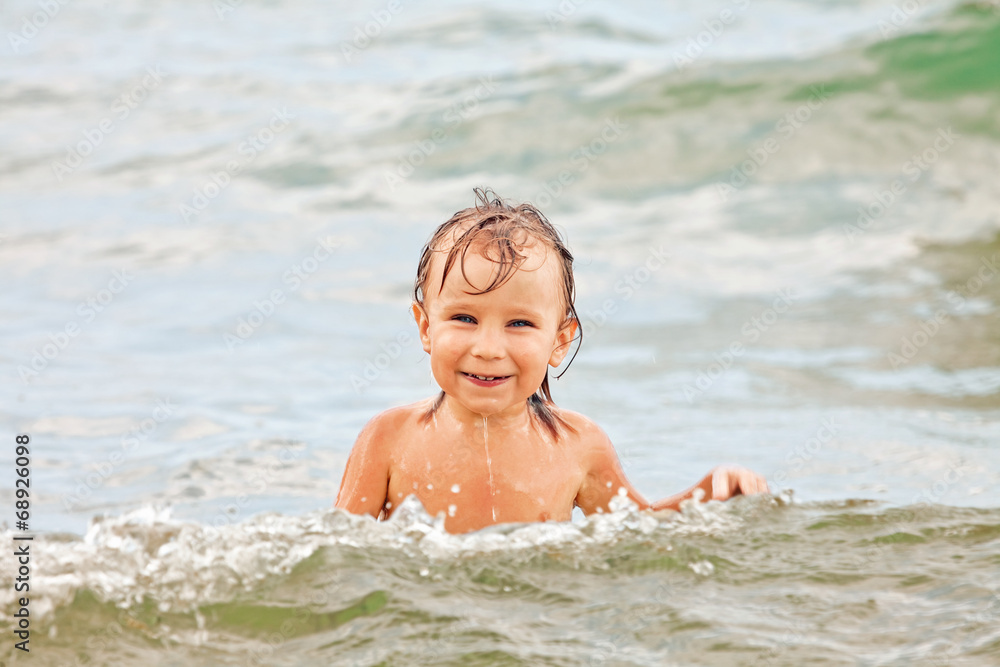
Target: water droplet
<point x="455" y="488"/>
<point x="451" y="510"/>
<point x="489" y="464"/>
<point x="704" y="568"/>
<point x="430" y="487"/>
<point x="424" y="572"/>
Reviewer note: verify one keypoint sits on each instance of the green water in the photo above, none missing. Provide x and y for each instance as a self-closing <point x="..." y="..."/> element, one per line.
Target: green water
<point x="753" y="583"/>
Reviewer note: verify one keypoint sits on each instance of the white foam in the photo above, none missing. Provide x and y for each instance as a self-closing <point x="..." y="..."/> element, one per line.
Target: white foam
<point x="184" y="564"/>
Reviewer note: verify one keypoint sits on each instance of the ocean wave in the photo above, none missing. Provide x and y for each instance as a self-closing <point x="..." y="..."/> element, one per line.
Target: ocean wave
<point x="182" y="564"/>
<point x="296" y="584"/>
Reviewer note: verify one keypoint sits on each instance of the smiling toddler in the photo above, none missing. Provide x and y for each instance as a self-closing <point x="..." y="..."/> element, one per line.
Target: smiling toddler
<point x="493" y="303"/>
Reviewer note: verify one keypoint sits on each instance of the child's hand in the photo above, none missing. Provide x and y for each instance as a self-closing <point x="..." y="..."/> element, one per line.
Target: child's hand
<point x="725" y="482"/>
<point x="722" y="483"/>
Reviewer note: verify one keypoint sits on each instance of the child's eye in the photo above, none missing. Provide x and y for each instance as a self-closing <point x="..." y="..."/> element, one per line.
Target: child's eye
<point x="521" y="323"/>
<point x="465" y="318"/>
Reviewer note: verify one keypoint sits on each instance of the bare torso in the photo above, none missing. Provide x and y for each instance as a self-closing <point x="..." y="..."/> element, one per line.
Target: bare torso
<point x="484" y="473"/>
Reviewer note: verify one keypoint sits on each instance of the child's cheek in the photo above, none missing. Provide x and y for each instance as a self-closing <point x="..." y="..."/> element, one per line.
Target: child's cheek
<point x="451" y="338"/>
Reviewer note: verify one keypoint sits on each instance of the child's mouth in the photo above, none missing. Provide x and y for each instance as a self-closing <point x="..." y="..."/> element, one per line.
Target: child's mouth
<point x="486" y="380"/>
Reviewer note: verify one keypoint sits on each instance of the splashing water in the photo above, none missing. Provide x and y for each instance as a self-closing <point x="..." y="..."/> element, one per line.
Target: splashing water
<point x="319" y="579"/>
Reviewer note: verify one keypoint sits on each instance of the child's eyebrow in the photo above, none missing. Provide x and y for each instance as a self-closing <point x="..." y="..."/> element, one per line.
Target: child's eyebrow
<point x="526" y="314"/>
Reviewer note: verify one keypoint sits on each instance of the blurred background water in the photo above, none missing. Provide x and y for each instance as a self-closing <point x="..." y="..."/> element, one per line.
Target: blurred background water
<point x="210" y="217"/>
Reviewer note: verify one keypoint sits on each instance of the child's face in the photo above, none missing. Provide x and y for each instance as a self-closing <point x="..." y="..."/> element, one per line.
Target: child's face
<point x="511" y="333"/>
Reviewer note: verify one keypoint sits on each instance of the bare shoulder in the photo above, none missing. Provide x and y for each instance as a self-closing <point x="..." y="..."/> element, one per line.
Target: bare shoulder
<point x="387" y="425"/>
<point x="602" y="476"/>
<point x="364" y="485"/>
<point x="588" y="436"/>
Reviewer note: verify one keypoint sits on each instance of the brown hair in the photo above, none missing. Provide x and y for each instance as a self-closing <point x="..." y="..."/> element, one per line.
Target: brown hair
<point x="499" y="231"/>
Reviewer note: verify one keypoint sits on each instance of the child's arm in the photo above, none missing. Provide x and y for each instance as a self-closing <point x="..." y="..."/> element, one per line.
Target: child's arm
<point x="605" y="477"/>
<point x="721" y="483"/>
<point x="365" y="484"/>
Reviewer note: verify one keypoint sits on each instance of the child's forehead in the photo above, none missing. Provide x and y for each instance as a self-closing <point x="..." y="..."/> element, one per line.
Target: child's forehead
<point x="534" y="255"/>
<point x="533" y="294"/>
<point x="480" y="270"/>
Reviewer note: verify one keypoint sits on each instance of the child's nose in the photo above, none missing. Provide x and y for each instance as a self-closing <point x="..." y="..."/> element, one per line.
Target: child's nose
<point x="488" y="344"/>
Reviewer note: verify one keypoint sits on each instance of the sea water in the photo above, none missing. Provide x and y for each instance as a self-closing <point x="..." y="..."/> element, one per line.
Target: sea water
<point x="785" y="223"/>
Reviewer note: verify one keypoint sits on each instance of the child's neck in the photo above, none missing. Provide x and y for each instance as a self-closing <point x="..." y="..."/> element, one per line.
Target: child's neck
<point x="514" y="417"/>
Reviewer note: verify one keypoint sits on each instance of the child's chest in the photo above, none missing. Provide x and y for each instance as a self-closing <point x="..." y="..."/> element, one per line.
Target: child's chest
<point x="477" y="484"/>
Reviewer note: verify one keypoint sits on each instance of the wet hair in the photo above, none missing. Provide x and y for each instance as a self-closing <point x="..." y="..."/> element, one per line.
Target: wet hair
<point x="499" y="232"/>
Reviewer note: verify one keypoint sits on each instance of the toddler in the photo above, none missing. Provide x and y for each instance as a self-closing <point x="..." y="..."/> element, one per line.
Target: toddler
<point x="494" y="307"/>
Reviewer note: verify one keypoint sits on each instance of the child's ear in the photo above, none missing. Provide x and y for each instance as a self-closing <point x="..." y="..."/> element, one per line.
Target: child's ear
<point x="563" y="339"/>
<point x="423" y="326"/>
